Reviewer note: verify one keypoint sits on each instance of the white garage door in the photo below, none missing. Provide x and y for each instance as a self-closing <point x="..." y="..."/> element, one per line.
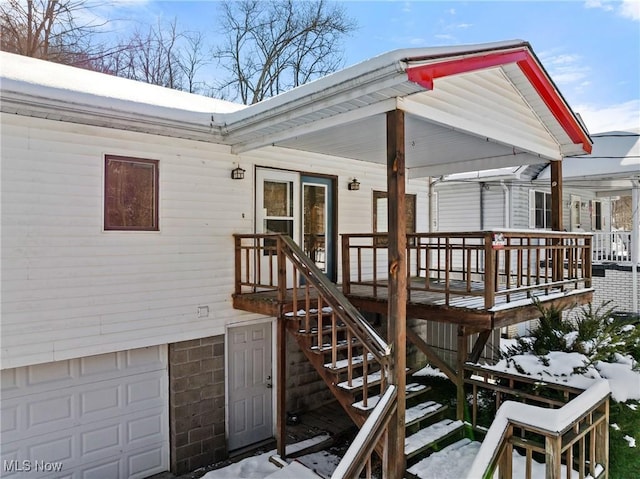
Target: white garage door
<point x="100" y="417"/>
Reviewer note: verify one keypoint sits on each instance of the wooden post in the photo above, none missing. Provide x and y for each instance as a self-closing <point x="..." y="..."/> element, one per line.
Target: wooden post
<point x="346" y="266"/>
<point x="397" y="308"/>
<point x="602" y="441"/>
<point x="490" y="270"/>
<point x="553" y="457"/>
<point x="281" y="358"/>
<point x="556" y="218"/>
<point x="461" y="358"/>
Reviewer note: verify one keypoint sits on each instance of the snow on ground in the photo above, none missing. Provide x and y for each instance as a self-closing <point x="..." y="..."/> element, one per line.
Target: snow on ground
<point x="630" y="440"/>
<point x="259" y="467"/>
<point x="559" y="367"/>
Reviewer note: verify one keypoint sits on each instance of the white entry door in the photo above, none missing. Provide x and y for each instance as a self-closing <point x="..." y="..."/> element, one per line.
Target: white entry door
<point x="250" y="391"/>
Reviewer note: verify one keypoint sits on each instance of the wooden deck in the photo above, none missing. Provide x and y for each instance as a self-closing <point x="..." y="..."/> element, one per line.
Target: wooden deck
<point x="481" y="280"/>
<point x="467" y="310"/>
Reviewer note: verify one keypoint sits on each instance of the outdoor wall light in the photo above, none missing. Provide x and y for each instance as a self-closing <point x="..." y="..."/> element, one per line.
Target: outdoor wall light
<point x="354" y="185"/>
<point x="237" y="174"/>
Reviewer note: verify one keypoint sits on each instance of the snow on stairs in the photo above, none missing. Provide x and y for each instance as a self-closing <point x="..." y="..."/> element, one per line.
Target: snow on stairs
<point x="431" y="437"/>
<point x="452" y="462"/>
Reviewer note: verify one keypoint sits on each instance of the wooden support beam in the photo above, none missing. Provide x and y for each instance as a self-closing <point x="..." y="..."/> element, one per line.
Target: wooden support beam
<point x="556" y="217"/>
<point x="461" y="358"/>
<point x="281" y="358"/>
<point x="397" y="308"/>
<point x="479" y="345"/>
<point x="281" y="392"/>
<point x="431" y="355"/>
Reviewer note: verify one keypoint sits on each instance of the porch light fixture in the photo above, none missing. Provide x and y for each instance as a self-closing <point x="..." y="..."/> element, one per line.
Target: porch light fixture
<point x="354" y="185"/>
<point x="237" y="173"/>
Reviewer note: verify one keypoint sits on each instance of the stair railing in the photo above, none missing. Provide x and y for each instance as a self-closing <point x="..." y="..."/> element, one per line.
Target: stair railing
<point x="575" y="435"/>
<point x="360" y="453"/>
<point x="333" y="298"/>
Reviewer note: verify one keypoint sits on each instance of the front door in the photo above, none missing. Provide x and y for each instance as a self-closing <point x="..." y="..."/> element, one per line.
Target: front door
<point x="301" y="206"/>
<point x="249" y="389"/>
<point x="317" y="222"/>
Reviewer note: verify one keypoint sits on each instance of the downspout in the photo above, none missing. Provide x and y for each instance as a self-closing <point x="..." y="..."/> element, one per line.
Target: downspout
<point x="635" y="240"/>
<point x="507" y="205"/>
<point x="482" y="205"/>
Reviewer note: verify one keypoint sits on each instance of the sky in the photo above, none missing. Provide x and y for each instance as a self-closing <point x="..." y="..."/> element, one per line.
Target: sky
<point x="590" y="48"/>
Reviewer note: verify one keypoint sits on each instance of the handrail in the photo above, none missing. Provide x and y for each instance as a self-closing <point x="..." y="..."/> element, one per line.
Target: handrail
<point x="490" y="265"/>
<point x="555" y="425"/>
<point x="359" y="453"/>
<point x="348" y="313"/>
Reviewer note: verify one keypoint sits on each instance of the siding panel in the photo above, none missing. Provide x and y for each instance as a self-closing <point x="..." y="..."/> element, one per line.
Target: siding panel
<point x="70" y="289"/>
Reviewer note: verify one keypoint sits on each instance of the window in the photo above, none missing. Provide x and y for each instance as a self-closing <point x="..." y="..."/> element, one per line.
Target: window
<point x="130" y="194"/>
<point x="540" y="210"/>
<point x="380" y="213"/>
<point x="596" y="211"/>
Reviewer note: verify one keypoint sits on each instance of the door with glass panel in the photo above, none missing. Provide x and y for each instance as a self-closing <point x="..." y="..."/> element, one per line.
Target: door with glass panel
<point x="301" y="207"/>
<point x="277" y="211"/>
<point x="317" y="222"/>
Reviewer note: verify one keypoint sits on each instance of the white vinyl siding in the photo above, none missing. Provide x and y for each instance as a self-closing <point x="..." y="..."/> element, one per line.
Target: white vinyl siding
<point x="459" y="207"/>
<point x="71" y="289"/>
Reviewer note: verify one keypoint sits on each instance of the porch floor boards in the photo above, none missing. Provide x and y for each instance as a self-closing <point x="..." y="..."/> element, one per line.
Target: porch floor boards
<point x="462" y="309"/>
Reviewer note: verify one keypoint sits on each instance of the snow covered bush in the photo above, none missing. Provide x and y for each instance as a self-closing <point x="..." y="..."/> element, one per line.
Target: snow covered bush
<point x="598" y="334"/>
<point x="599" y="344"/>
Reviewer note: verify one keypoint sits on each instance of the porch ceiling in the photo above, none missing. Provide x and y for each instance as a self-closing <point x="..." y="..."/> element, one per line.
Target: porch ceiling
<point x="467" y="108"/>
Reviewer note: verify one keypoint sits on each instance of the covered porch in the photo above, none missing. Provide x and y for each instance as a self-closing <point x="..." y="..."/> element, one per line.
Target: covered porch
<point x="419" y="113"/>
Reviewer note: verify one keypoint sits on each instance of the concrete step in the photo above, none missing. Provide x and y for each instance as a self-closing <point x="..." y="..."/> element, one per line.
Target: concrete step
<point x="453" y="462"/>
<point x="431" y="436"/>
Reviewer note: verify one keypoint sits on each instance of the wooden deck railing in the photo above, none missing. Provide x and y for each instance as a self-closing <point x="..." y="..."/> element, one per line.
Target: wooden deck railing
<point x="492" y="265"/>
<point x="504" y="386"/>
<point x="574" y="437"/>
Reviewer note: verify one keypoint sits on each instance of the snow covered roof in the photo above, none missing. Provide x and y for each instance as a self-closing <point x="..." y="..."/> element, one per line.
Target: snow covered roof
<point x="49" y="90"/>
<point x="471" y="107"/>
<point x="612" y="164"/>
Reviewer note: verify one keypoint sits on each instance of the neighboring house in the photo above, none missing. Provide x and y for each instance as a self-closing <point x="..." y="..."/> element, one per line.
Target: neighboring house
<point x="610" y="171"/>
<point x="519" y="198"/>
<point x="123" y="351"/>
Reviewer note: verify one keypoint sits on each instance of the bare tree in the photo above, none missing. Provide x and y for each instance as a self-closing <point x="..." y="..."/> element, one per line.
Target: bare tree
<point x="271" y="47"/>
<point x="50" y="29"/>
<point x="192" y="59"/>
<point x="162" y="55"/>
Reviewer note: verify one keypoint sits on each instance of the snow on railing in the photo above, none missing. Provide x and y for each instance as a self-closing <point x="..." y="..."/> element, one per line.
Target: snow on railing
<point x="561" y="428"/>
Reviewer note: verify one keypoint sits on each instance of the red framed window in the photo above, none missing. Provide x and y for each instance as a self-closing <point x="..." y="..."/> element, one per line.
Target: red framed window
<point x="130" y="194"/>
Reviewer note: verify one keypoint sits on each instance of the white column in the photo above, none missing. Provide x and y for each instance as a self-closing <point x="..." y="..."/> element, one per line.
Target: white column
<point x="635" y="241"/>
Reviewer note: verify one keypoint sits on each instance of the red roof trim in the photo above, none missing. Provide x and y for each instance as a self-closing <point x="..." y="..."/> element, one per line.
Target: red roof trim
<point x="545" y="89"/>
<point x="424" y="75"/>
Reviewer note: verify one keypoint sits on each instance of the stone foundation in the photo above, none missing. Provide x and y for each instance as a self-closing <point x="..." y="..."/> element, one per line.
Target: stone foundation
<point x="196" y="403"/>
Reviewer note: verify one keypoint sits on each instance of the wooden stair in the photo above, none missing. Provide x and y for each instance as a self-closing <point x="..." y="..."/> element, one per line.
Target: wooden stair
<point x="342" y="361"/>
